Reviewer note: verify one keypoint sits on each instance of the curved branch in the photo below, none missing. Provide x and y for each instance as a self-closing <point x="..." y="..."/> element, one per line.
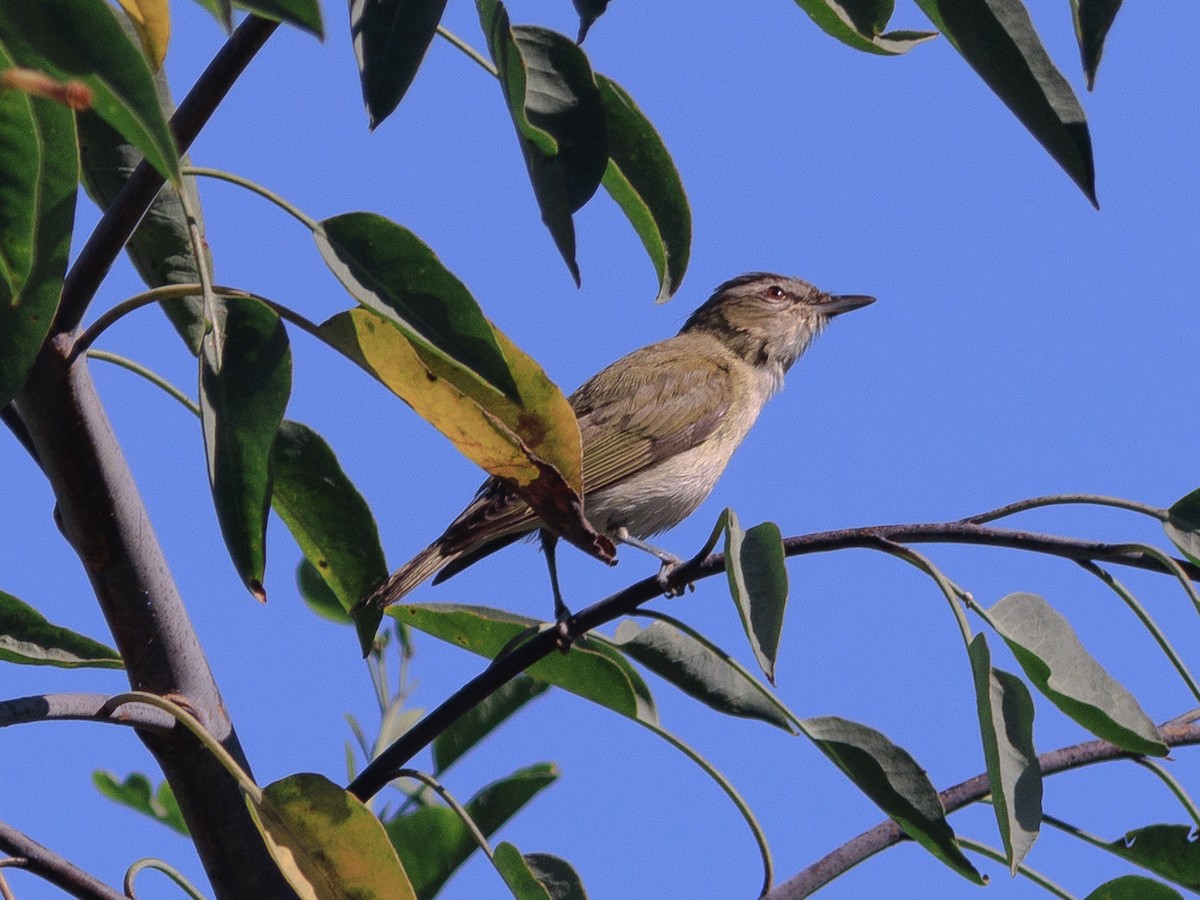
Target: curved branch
<point x="30" y="855"/>
<point x="82" y="707"/>
<point x="1176" y="733"/>
<point x="504" y="668"/>
<point x="135" y="197"/>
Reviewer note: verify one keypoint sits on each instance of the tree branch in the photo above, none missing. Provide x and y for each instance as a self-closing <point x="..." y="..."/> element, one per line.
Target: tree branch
<point x="135" y="197"/>
<point x="82" y="707"/>
<point x="504" y="668"/>
<point x="1176" y="733"/>
<point x="30" y="855"/>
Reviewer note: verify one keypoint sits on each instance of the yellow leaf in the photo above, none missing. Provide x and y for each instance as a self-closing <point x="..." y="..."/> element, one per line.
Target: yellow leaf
<point x="152" y="19"/>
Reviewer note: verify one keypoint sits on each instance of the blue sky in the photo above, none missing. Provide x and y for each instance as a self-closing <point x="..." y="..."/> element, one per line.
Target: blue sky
<point x="1023" y="344"/>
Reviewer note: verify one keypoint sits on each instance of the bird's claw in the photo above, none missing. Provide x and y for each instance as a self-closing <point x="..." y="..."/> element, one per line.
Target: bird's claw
<point x="664" y="579"/>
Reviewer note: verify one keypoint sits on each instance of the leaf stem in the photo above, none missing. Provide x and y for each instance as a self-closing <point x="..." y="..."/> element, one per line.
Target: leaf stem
<point x="468" y="50"/>
<point x="461" y="811"/>
<point x="149" y="374"/>
<point x="294" y="211"/>
<point x="1063" y="499"/>
<point x="1036" y="877"/>
<point x="167" y="869"/>
<point x="1173" y="784"/>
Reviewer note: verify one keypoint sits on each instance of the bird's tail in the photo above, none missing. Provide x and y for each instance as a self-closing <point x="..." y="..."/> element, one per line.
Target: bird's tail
<point x="416" y="571"/>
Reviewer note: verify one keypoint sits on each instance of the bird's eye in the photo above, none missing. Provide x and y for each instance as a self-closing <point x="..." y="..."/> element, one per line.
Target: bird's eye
<point x="775" y="292"/>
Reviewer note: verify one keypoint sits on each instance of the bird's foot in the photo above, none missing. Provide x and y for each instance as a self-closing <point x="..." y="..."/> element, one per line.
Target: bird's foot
<point x="664" y="578"/>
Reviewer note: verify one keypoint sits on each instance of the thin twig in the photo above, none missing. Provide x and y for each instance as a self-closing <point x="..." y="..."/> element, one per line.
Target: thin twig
<point x="1064" y="499"/>
<point x="52" y="867"/>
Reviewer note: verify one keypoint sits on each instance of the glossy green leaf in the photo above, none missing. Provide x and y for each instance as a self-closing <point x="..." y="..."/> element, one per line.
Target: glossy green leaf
<point x="1133" y="887"/>
<point x="221" y="10"/>
<point x="482" y="719"/>
<point x="895" y="782"/>
<point x="538" y="876"/>
<point x="387" y="269"/>
<point x="589" y="11"/>
<point x="590" y="669"/>
<point x="559" y="116"/>
<point x="860" y="23"/>
<point x="998" y="41"/>
<point x="317" y="595"/>
<point x="1006" y="711"/>
<point x="757" y="573"/>
<point x="26" y="637"/>
<point x="1058" y="665"/>
<point x="1169" y="851"/>
<point x="433" y="841"/>
<point x="304" y="14"/>
<point x="702" y="670"/>
<point x="390" y="42"/>
<point x="53" y="165"/>
<point x="161" y="246"/>
<point x="1183" y="525"/>
<point x="642" y="178"/>
<point x="1092" y="19"/>
<point x="245" y="380"/>
<point x="20" y="166"/>
<point x="329" y="519"/>
<point x="138" y="793"/>
<point x="326" y="843"/>
<point x="532" y="444"/>
<point x="83" y="40"/>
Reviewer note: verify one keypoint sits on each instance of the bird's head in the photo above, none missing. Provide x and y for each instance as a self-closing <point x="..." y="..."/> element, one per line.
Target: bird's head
<point x="769" y="320"/>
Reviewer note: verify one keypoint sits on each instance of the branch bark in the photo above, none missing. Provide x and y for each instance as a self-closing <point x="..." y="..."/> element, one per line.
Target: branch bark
<point x="82" y="707"/>
<point x="28" y="854"/>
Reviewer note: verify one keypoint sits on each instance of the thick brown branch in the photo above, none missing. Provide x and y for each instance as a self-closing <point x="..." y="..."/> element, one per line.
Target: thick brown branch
<point x="82" y="707"/>
<point x="30" y="855"/>
<point x="1175" y="734"/>
<point x="381" y="770"/>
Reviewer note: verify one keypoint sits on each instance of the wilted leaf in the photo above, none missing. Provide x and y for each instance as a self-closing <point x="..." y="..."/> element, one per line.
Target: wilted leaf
<point x="326" y="843"/>
<point x="643" y="180"/>
<point x="1093" y="18"/>
<point x="590" y="669"/>
<point x="245" y="380"/>
<point x="390" y="41"/>
<point x="1006" y="723"/>
<point x="894" y="781"/>
<point x="85" y="41"/>
<point x="26" y="637"/>
<point x="433" y="842"/>
<point x="152" y="20"/>
<point x="480" y="720"/>
<point x="755" y="566"/>
<point x="998" y="41"/>
<point x="559" y="116"/>
<point x="701" y="670"/>
<point x="138" y="793"/>
<point x="1058" y="665"/>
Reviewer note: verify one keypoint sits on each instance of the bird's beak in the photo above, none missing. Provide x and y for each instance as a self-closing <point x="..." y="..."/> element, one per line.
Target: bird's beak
<point x="836" y="304"/>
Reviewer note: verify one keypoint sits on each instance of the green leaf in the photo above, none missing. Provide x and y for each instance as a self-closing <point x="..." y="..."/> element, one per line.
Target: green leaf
<point x="998" y="41"/>
<point x="1092" y="19"/>
<point x="53" y="165"/>
<point x="387" y="269"/>
<point x="537" y="876"/>
<point x="1058" y="665"/>
<point x="859" y="24"/>
<point x="1133" y="887"/>
<point x="26" y="637"/>
<point x="317" y="594"/>
<point x="559" y="116"/>
<point x="755" y="566"/>
<point x="433" y="842"/>
<point x="221" y="10"/>
<point x="245" y="380"/>
<point x="590" y="669"/>
<point x="1183" y="525"/>
<point x="83" y="40"/>
<point x="390" y="41"/>
<point x="1006" y="723"/>
<point x="589" y="11"/>
<point x="1170" y="851"/>
<point x="20" y="165"/>
<point x="701" y="670"/>
<point x="326" y="843"/>
<point x="161" y="246"/>
<point x="304" y="14"/>
<point x="643" y="180"/>
<point x="482" y="719"/>
<point x="138" y="793"/>
<point x="894" y="781"/>
<point x="329" y="519"/>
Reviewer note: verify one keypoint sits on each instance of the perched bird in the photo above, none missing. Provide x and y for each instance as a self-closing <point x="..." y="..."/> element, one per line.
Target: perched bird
<point x="658" y="427"/>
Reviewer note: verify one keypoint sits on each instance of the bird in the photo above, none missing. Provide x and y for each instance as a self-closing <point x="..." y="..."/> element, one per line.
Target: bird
<point x="658" y="428"/>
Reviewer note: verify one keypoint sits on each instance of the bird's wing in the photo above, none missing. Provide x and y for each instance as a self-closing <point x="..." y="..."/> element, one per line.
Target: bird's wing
<point x="653" y="404"/>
